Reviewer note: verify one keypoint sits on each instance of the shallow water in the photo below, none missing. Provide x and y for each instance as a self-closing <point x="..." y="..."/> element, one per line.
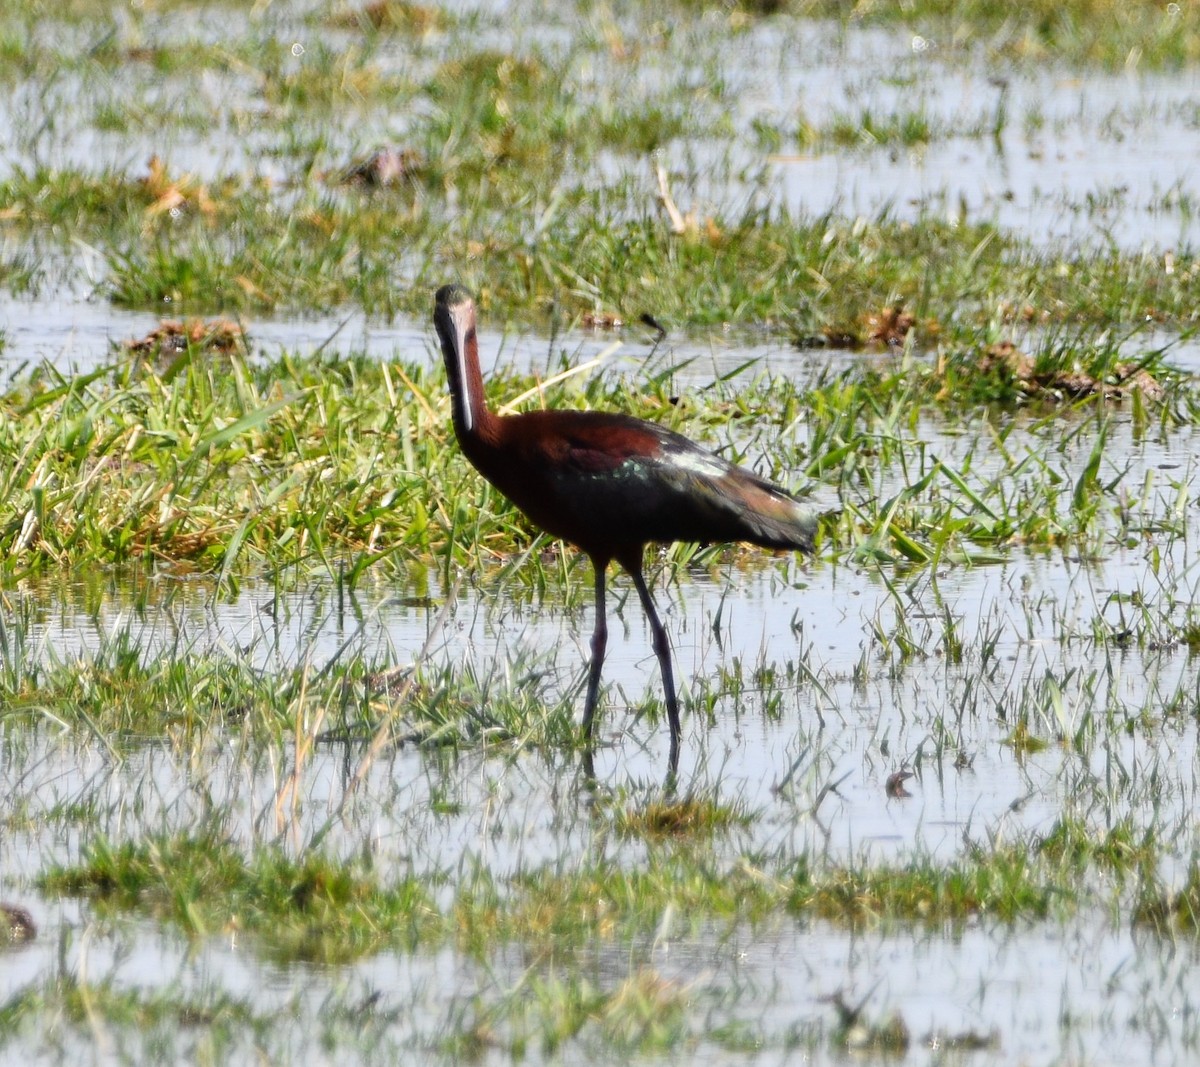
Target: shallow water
<point x="1037" y="634"/>
<point x="1049" y="992"/>
<point x="871" y="714"/>
<point x="1088" y="159"/>
<point x="1076" y="990"/>
<point x="1079" y="159"/>
<point x="852" y="709"/>
<point x="1052" y="155"/>
<point x="1123" y="1002"/>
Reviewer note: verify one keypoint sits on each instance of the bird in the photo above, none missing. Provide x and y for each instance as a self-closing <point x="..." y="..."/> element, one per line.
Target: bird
<point x="610" y="484"/>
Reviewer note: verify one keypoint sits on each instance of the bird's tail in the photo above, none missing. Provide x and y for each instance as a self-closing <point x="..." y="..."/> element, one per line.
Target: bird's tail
<point x="782" y="522"/>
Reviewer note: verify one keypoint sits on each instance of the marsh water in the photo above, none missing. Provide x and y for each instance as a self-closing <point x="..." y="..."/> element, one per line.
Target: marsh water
<point x="1085" y="983"/>
<point x="847" y="709"/>
<point x="1047" y="153"/>
<point x="832" y="672"/>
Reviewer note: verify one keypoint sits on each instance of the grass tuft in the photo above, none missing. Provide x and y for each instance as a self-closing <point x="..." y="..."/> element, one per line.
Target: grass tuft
<point x="318" y="909"/>
<point x="685" y="817"/>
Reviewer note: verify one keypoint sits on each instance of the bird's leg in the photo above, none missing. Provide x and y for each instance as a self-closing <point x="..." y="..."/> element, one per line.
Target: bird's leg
<point x="662" y="649"/>
<point x="599" y="642"/>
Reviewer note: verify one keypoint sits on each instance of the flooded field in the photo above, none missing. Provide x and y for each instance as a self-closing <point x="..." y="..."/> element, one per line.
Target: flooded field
<point x="289" y="700"/>
<point x="802" y="704"/>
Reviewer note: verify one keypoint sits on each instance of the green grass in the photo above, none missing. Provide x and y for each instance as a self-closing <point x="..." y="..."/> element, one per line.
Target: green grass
<point x="231" y="248"/>
<point x="1099" y="32"/>
<point x="532" y="182"/>
<point x="136" y="462"/>
<point x="313" y="909"/>
<point x="677" y="818"/>
<point x="867" y="130"/>
<point x="335" y="465"/>
<point x="315" y="818"/>
<point x="326" y="909"/>
<point x="143" y="1023"/>
<point x="122" y="697"/>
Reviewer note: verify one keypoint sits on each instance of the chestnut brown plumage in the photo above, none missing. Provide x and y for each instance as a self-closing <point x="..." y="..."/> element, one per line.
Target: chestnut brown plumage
<point x="610" y="484"/>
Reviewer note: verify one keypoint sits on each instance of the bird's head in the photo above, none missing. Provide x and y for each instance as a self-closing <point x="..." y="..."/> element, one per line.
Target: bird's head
<point x="454" y="319"/>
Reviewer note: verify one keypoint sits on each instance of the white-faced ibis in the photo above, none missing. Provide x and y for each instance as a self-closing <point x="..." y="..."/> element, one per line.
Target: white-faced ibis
<point x="610" y="484"/>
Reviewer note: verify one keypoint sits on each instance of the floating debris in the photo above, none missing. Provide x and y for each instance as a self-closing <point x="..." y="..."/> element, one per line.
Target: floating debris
<point x="173" y="337"/>
<point x="967" y="1041"/>
<point x="386" y="168"/>
<point x="16" y="925"/>
<point x="895" y="784"/>
<point x="1022" y="741"/>
<point x="830" y="337"/>
<point x="858" y="1034"/>
<point x="394" y="682"/>
<point x="171" y="195"/>
<point x="890" y="326"/>
<point x="403" y="15"/>
<point x="1011" y="312"/>
<point x="1006" y="358"/>
<point x="649" y="320"/>
<point x="600" y="320"/>
<point x="678" y="818"/>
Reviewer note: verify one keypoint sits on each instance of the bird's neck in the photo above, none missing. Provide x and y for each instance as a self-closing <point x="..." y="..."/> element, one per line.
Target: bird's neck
<point x="473" y="421"/>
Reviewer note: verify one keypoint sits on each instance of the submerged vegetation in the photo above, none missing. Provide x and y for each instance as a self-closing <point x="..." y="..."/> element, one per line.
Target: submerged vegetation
<point x="236" y="797"/>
